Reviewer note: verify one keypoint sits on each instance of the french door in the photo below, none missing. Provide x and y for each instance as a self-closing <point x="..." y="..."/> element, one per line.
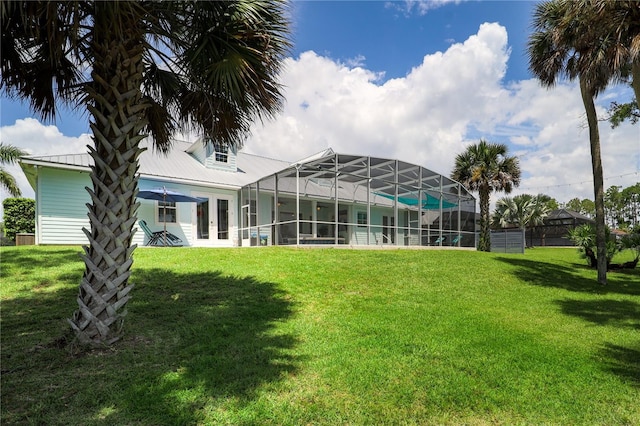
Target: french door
<point x="214" y="221"/>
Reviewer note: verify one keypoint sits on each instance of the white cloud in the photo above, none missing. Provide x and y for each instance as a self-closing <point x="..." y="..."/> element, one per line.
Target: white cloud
<point x="450" y="100"/>
<point x="358" y="61"/>
<point x="422" y="117"/>
<point x="422" y="7"/>
<point x="37" y="139"/>
<point x="557" y="160"/>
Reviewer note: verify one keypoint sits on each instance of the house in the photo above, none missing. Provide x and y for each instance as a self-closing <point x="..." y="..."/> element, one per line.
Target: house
<point x="249" y="200"/>
<point x="555" y="228"/>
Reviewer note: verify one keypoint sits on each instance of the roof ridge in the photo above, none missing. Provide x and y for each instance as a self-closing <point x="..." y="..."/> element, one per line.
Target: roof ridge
<point x="262" y="156"/>
<point x="320" y="154"/>
<point x="55" y="155"/>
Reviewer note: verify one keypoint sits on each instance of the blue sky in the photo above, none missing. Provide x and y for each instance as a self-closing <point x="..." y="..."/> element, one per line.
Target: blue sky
<point x="418" y="81"/>
<point x="394" y="36"/>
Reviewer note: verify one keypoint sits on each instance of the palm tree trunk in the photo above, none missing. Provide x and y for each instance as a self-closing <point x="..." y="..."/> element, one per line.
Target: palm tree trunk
<point x="635" y="82"/>
<point x="115" y="105"/>
<point x="598" y="179"/>
<point x="485" y="232"/>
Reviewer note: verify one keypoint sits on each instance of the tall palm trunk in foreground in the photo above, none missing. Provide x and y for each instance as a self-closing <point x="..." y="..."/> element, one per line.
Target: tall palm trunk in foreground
<point x="118" y="120"/>
<point x="598" y="178"/>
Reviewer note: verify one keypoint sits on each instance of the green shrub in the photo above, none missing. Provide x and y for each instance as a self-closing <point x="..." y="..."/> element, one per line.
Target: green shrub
<point x="584" y="236"/>
<point x="631" y="242"/>
<point x="19" y="216"/>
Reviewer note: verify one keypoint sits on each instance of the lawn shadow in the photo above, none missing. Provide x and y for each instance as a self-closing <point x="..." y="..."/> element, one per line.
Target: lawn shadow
<point x="620" y="360"/>
<point x="569" y="277"/>
<point x="192" y="342"/>
<point x="616" y="313"/>
<point x="27" y="260"/>
<point x="623" y="361"/>
<point x="217" y="340"/>
<point x="33" y="325"/>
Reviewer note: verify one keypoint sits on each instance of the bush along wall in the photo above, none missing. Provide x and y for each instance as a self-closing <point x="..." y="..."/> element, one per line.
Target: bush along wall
<point x="19" y="216"/>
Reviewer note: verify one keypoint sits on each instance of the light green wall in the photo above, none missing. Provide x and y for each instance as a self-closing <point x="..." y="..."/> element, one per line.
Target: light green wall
<point x="61" y="210"/>
<point x="61" y="206"/>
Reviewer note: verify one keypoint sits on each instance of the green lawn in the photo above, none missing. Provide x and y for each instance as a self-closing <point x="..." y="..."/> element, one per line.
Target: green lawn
<point x="326" y="336"/>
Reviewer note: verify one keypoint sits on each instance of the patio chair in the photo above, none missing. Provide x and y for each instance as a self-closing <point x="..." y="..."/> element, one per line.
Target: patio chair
<point x="439" y="241"/>
<point x="455" y="240"/>
<point x="156" y="238"/>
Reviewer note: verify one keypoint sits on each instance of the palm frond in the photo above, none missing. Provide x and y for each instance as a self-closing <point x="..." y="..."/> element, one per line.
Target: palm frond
<point x="39" y="60"/>
<point x="8" y="182"/>
<point x="10" y="153"/>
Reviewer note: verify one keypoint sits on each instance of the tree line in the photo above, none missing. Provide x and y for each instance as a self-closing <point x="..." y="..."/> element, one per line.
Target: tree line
<point x="621" y="207"/>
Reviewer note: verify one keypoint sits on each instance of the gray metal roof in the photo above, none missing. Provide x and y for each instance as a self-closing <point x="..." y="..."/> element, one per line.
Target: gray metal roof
<point x="567" y="214"/>
<point x="177" y="165"/>
<point x="317" y="171"/>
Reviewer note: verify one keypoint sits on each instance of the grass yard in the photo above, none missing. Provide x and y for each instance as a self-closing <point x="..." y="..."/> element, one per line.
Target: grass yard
<point x="287" y="336"/>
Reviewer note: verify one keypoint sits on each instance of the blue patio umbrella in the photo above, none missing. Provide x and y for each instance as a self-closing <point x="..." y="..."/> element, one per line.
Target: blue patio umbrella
<point x="166" y="196"/>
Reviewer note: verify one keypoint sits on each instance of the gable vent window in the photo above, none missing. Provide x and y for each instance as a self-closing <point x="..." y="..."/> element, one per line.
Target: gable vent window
<point x="219" y="150"/>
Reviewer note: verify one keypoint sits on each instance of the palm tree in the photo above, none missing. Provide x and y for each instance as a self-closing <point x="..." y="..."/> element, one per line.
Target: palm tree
<point x="584" y="237"/>
<point x="619" y="24"/>
<point x="485" y="167"/>
<point x="9" y="154"/>
<point x="153" y="67"/>
<point x="567" y="42"/>
<point x="523" y="211"/>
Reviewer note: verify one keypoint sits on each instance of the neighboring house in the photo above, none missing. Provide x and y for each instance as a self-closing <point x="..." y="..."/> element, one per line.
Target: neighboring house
<point x="619" y="234"/>
<point x="327" y="198"/>
<point x="555" y="229"/>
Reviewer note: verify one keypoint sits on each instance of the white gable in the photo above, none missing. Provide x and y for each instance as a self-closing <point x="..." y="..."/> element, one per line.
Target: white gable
<point x="213" y="156"/>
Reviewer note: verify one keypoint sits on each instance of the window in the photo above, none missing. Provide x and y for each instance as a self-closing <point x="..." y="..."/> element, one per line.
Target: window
<point x="202" y="224"/>
<point x="219" y="150"/>
<point x="167" y="212"/>
<point x="362" y="218"/>
<point x="223" y="219"/>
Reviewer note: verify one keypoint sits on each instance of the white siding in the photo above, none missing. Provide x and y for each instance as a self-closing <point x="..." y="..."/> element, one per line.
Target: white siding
<point x="231" y="165"/>
<point x="62" y="210"/>
<point x="200" y="154"/>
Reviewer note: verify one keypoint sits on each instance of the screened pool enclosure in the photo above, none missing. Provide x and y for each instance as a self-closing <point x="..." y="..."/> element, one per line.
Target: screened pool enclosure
<point x="337" y="199"/>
